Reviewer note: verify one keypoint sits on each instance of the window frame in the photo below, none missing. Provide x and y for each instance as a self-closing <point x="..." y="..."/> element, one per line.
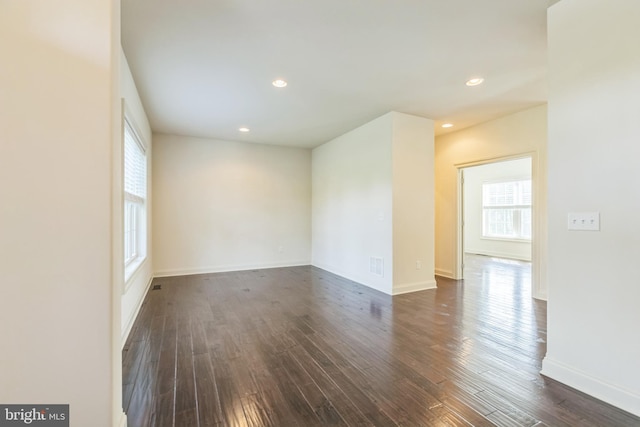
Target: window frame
<point x="518" y="207"/>
<point x="134" y="205"/>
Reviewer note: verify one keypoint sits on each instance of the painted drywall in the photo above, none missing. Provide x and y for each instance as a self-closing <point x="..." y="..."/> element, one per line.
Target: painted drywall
<point x="514" y="135"/>
<point x="373" y="198"/>
<point x="413" y="203"/>
<point x="134" y="290"/>
<point x="474" y="178"/>
<point x="221" y="205"/>
<point x="59" y="85"/>
<point x="352" y="204"/>
<point x="594" y="105"/>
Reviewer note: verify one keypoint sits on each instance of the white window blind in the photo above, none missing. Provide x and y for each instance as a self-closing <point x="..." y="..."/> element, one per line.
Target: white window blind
<point x="506" y="210"/>
<point x="135" y="166"/>
<point x="135" y="195"/>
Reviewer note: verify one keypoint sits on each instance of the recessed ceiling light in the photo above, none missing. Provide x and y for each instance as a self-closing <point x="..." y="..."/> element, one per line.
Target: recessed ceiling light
<point x="447" y="125"/>
<point x="279" y="83"/>
<point x="475" y="81"/>
<point x="244" y="129"/>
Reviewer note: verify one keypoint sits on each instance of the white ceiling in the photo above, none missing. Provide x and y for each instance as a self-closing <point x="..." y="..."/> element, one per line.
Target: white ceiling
<point x="204" y="67"/>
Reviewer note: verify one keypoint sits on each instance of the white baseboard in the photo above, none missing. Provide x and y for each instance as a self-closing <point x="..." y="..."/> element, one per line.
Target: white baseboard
<point x="498" y="254"/>
<point x="358" y="280"/>
<point x="445" y="273"/>
<point x="397" y="290"/>
<point x="127" y="330"/>
<point x="616" y="396"/>
<point x="123" y="420"/>
<point x="414" y="287"/>
<point x="227" y="268"/>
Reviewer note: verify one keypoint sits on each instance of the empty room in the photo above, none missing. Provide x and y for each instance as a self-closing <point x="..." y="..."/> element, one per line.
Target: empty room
<point x="236" y="213"/>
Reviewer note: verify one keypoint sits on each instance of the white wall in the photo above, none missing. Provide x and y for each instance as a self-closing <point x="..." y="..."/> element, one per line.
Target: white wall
<point x="352" y="204"/>
<point x="220" y="206"/>
<point x="474" y="178"/>
<point x="594" y="129"/>
<point x="413" y="204"/>
<point x="373" y="197"/>
<point x="59" y="85"/>
<point x="134" y="290"/>
<point x="524" y="132"/>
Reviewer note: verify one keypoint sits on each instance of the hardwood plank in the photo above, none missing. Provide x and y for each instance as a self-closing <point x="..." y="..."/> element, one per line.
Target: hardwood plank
<point x="186" y="418"/>
<point x="184" y="368"/>
<point x="208" y="401"/>
<point x="163" y="410"/>
<point x="349" y="411"/>
<point x="230" y="404"/>
<point x="315" y="398"/>
<point x="257" y="411"/>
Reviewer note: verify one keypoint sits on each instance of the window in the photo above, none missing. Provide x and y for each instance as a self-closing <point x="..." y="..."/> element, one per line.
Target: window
<point x="135" y="197"/>
<point x="506" y="210"/>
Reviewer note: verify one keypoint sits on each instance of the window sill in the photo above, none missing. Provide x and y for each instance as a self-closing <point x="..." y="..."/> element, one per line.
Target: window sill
<point x="506" y="239"/>
<point x="131" y="269"/>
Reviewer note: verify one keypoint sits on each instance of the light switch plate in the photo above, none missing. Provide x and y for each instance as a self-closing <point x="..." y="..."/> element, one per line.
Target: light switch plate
<point x="584" y="221"/>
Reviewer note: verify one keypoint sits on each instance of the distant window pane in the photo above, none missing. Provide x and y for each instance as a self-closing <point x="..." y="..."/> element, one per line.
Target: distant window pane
<point x="506" y="209"/>
<point x="135" y="194"/>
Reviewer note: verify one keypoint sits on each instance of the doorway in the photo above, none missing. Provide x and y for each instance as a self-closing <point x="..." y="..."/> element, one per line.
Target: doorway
<point x="497" y="213"/>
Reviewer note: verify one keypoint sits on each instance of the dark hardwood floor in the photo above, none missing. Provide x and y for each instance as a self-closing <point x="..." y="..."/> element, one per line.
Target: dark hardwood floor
<point x="303" y="347"/>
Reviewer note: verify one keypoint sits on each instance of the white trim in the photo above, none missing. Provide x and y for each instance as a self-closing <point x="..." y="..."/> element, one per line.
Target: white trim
<point x="506" y="239"/>
<point x="458" y="272"/>
<point x="129" y="120"/>
<point x="131" y="270"/>
<point x="396" y="290"/>
<point x="444" y="273"/>
<point x="123" y="420"/>
<point x="539" y="287"/>
<point x="496" y="254"/>
<point x="498" y="159"/>
<point x="359" y="281"/>
<point x="538" y="251"/>
<point x="227" y="268"/>
<point x="596" y="387"/>
<point x="124" y="335"/>
<point x="414" y="287"/>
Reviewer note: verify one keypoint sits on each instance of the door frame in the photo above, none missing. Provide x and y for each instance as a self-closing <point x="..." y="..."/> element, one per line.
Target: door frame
<point x="538" y="284"/>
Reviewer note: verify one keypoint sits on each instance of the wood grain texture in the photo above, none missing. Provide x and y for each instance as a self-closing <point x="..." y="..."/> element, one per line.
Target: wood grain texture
<point x="303" y="347"/>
